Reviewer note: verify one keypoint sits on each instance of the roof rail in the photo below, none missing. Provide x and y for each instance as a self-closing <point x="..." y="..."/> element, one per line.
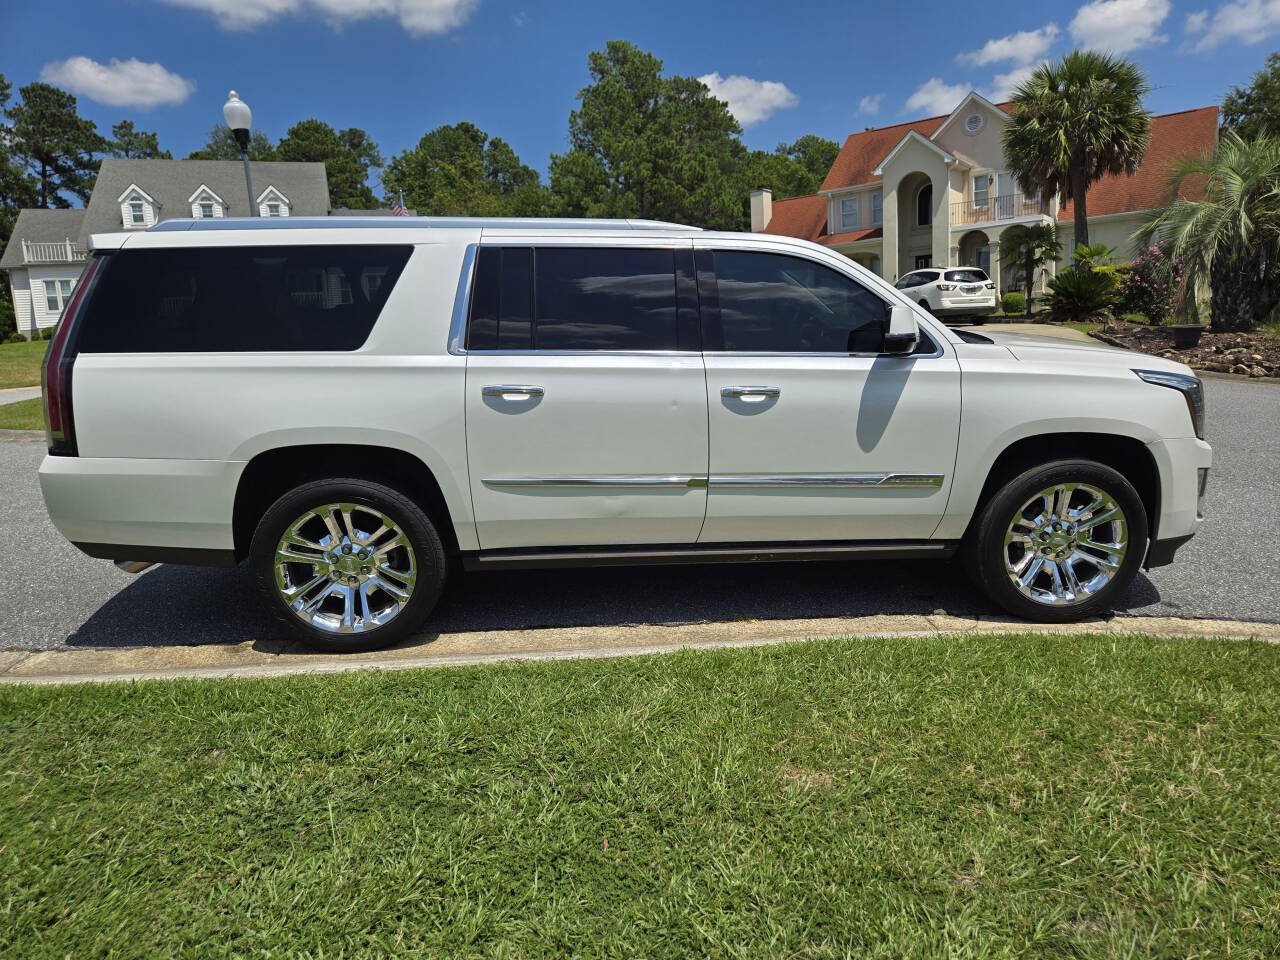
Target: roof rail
<point x="414" y="223"/>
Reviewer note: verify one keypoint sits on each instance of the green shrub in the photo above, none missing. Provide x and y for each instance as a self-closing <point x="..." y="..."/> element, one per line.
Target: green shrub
<point x="1014" y="303"/>
<point x="45" y="334"/>
<point x="15" y="337"/>
<point x="1152" y="285"/>
<point x="1081" y="294"/>
<point x="8" y="324"/>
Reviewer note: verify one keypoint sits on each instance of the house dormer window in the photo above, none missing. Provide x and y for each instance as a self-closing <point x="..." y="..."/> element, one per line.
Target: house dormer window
<point x="272" y="203"/>
<point x="205" y="204"/>
<point x="137" y="209"/>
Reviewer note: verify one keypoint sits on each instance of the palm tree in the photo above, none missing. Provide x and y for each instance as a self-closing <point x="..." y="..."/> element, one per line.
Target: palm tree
<point x="1230" y="238"/>
<point x="1075" y="121"/>
<point x="1028" y="247"/>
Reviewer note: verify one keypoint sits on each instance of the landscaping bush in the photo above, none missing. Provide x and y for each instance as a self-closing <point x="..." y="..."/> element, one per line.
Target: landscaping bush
<point x="45" y="334"/>
<point x="8" y="324"/>
<point x="15" y="337"/>
<point x="1152" y="285"/>
<point x="1081" y="294"/>
<point x="1014" y="303"/>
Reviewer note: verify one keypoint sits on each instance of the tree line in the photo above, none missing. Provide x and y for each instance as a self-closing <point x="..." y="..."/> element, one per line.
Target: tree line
<point x="640" y="144"/>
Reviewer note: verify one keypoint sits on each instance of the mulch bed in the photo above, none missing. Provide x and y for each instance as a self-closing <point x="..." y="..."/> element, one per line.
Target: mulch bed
<point x="1244" y="354"/>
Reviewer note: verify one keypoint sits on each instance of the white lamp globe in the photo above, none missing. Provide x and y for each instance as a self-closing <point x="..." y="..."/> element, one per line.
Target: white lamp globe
<point x="236" y="112"/>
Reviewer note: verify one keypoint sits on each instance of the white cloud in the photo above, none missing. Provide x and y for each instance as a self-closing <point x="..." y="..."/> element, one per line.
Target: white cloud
<point x="416" y="16"/>
<point x="1245" y="21"/>
<point x="120" y="83"/>
<point x="520" y="19"/>
<point x="1021" y="47"/>
<point x="750" y="101"/>
<point x="1118" y="26"/>
<point x="935" y="97"/>
<point x="870" y="104"/>
<point x="1003" y="84"/>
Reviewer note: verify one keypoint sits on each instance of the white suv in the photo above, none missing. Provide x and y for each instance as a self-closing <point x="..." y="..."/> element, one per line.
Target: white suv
<point x="956" y="293"/>
<point x="351" y="406"/>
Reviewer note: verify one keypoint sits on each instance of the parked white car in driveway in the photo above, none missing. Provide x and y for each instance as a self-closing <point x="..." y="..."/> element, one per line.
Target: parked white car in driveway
<point x="958" y="293"/>
<point x="356" y="407"/>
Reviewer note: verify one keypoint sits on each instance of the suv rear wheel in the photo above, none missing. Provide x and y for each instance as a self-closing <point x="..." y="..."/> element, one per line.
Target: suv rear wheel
<point x="347" y="565"/>
<point x="1060" y="542"/>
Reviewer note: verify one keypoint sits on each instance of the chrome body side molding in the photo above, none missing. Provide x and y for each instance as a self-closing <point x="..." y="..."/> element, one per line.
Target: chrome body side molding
<point x="646" y="554"/>
<point x="749" y="481"/>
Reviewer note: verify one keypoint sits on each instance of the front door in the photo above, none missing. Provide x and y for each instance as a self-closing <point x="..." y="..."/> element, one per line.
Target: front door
<point x="586" y="414"/>
<point x="924" y="261"/>
<point x="815" y="436"/>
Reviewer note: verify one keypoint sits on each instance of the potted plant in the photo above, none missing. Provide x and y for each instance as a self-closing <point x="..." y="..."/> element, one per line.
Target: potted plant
<point x="1186" y="335"/>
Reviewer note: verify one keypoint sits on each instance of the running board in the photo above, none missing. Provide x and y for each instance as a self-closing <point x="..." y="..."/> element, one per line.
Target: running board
<point x="638" y="555"/>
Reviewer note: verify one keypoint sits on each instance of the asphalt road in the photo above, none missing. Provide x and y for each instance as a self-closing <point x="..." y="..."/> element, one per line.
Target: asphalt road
<point x="58" y="597"/>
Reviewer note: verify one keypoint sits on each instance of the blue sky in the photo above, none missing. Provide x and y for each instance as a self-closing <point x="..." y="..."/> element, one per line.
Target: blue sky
<point x="398" y="68"/>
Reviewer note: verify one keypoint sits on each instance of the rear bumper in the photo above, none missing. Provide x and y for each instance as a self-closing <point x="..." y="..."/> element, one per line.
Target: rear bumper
<point x="958" y="309"/>
<point x="134" y="509"/>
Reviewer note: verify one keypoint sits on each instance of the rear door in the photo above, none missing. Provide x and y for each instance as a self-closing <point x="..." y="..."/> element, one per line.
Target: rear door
<point x="586" y="400"/>
<point x="816" y="435"/>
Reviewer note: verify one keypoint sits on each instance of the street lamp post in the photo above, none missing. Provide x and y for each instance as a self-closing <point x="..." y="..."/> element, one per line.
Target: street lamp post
<point x="239" y="118"/>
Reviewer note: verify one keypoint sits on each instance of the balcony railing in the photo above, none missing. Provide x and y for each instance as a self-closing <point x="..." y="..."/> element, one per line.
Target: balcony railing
<point x="1010" y="206"/>
<point x="53" y="251"/>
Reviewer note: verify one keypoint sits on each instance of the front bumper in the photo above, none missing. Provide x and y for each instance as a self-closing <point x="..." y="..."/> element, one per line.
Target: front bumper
<point x="1183" y="466"/>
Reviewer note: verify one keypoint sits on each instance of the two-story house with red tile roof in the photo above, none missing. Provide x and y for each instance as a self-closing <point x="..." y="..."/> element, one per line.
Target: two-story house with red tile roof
<point x="938" y="192"/>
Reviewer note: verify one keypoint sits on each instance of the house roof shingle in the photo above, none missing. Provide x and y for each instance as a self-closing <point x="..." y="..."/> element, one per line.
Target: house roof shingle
<point x="1173" y="136"/>
<point x="862" y="152"/>
<point x="803" y="217"/>
<point x="40" y="226"/>
<point x="171" y="182"/>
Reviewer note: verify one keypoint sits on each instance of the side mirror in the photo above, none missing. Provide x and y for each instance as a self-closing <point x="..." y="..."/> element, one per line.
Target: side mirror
<point x="903" y="334"/>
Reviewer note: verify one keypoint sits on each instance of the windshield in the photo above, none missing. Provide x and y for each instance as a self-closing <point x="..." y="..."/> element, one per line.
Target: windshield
<point x="968" y="275"/>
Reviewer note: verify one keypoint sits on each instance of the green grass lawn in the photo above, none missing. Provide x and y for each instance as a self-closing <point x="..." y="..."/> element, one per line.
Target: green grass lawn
<point x="23" y="415"/>
<point x="1084" y="327"/>
<point x="20" y="363"/>
<point x="965" y="797"/>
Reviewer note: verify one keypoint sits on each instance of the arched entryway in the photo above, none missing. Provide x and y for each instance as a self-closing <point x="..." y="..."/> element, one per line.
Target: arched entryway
<point x="915" y="222"/>
<point x="975" y="250"/>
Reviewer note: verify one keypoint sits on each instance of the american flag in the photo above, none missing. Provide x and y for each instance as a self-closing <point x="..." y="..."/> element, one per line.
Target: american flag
<point x="399" y="210"/>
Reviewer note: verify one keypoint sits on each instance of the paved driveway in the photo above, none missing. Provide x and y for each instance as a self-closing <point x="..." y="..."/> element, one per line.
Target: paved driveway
<point x="55" y="596"/>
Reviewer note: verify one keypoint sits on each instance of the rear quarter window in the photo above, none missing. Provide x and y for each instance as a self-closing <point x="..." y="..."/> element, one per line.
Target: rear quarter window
<point x="241" y="299"/>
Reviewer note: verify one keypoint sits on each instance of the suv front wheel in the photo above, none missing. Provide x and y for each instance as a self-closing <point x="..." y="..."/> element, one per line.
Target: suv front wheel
<point x="1059" y="542"/>
<point x="347" y="565"/>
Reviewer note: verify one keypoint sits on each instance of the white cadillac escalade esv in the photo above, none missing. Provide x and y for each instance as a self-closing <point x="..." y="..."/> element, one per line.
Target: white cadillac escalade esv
<point x="349" y="406"/>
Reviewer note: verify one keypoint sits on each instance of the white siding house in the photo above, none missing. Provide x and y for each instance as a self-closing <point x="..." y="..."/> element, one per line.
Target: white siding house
<point x="49" y="248"/>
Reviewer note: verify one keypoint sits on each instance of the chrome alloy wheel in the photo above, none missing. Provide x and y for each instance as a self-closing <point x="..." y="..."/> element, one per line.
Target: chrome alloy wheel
<point x="1065" y="544"/>
<point x="345" y="568"/>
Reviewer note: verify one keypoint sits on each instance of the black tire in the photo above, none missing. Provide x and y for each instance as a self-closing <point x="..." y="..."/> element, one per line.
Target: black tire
<point x="927" y="308"/>
<point x="428" y="553"/>
<point x="978" y="321"/>
<point x="983" y="552"/>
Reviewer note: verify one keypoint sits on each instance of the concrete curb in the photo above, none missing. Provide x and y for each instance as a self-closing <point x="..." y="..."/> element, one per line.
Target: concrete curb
<point x="580" y="643"/>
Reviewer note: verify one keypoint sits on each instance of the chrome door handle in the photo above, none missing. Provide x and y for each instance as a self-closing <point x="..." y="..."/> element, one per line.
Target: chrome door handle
<point x="745" y="393"/>
<point x="512" y="391"/>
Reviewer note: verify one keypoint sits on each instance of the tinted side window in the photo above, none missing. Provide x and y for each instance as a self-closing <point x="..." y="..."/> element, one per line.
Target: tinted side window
<point x="570" y="298"/>
<point x="500" y="300"/>
<point x="241" y="299"/>
<point x="605" y="299"/>
<point x="773" y="303"/>
<point x="905" y="283"/>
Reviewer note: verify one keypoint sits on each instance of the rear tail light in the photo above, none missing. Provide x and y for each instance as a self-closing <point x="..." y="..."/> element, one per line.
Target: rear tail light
<point x="55" y="374"/>
<point x="990" y="285"/>
<point x="946" y="286"/>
